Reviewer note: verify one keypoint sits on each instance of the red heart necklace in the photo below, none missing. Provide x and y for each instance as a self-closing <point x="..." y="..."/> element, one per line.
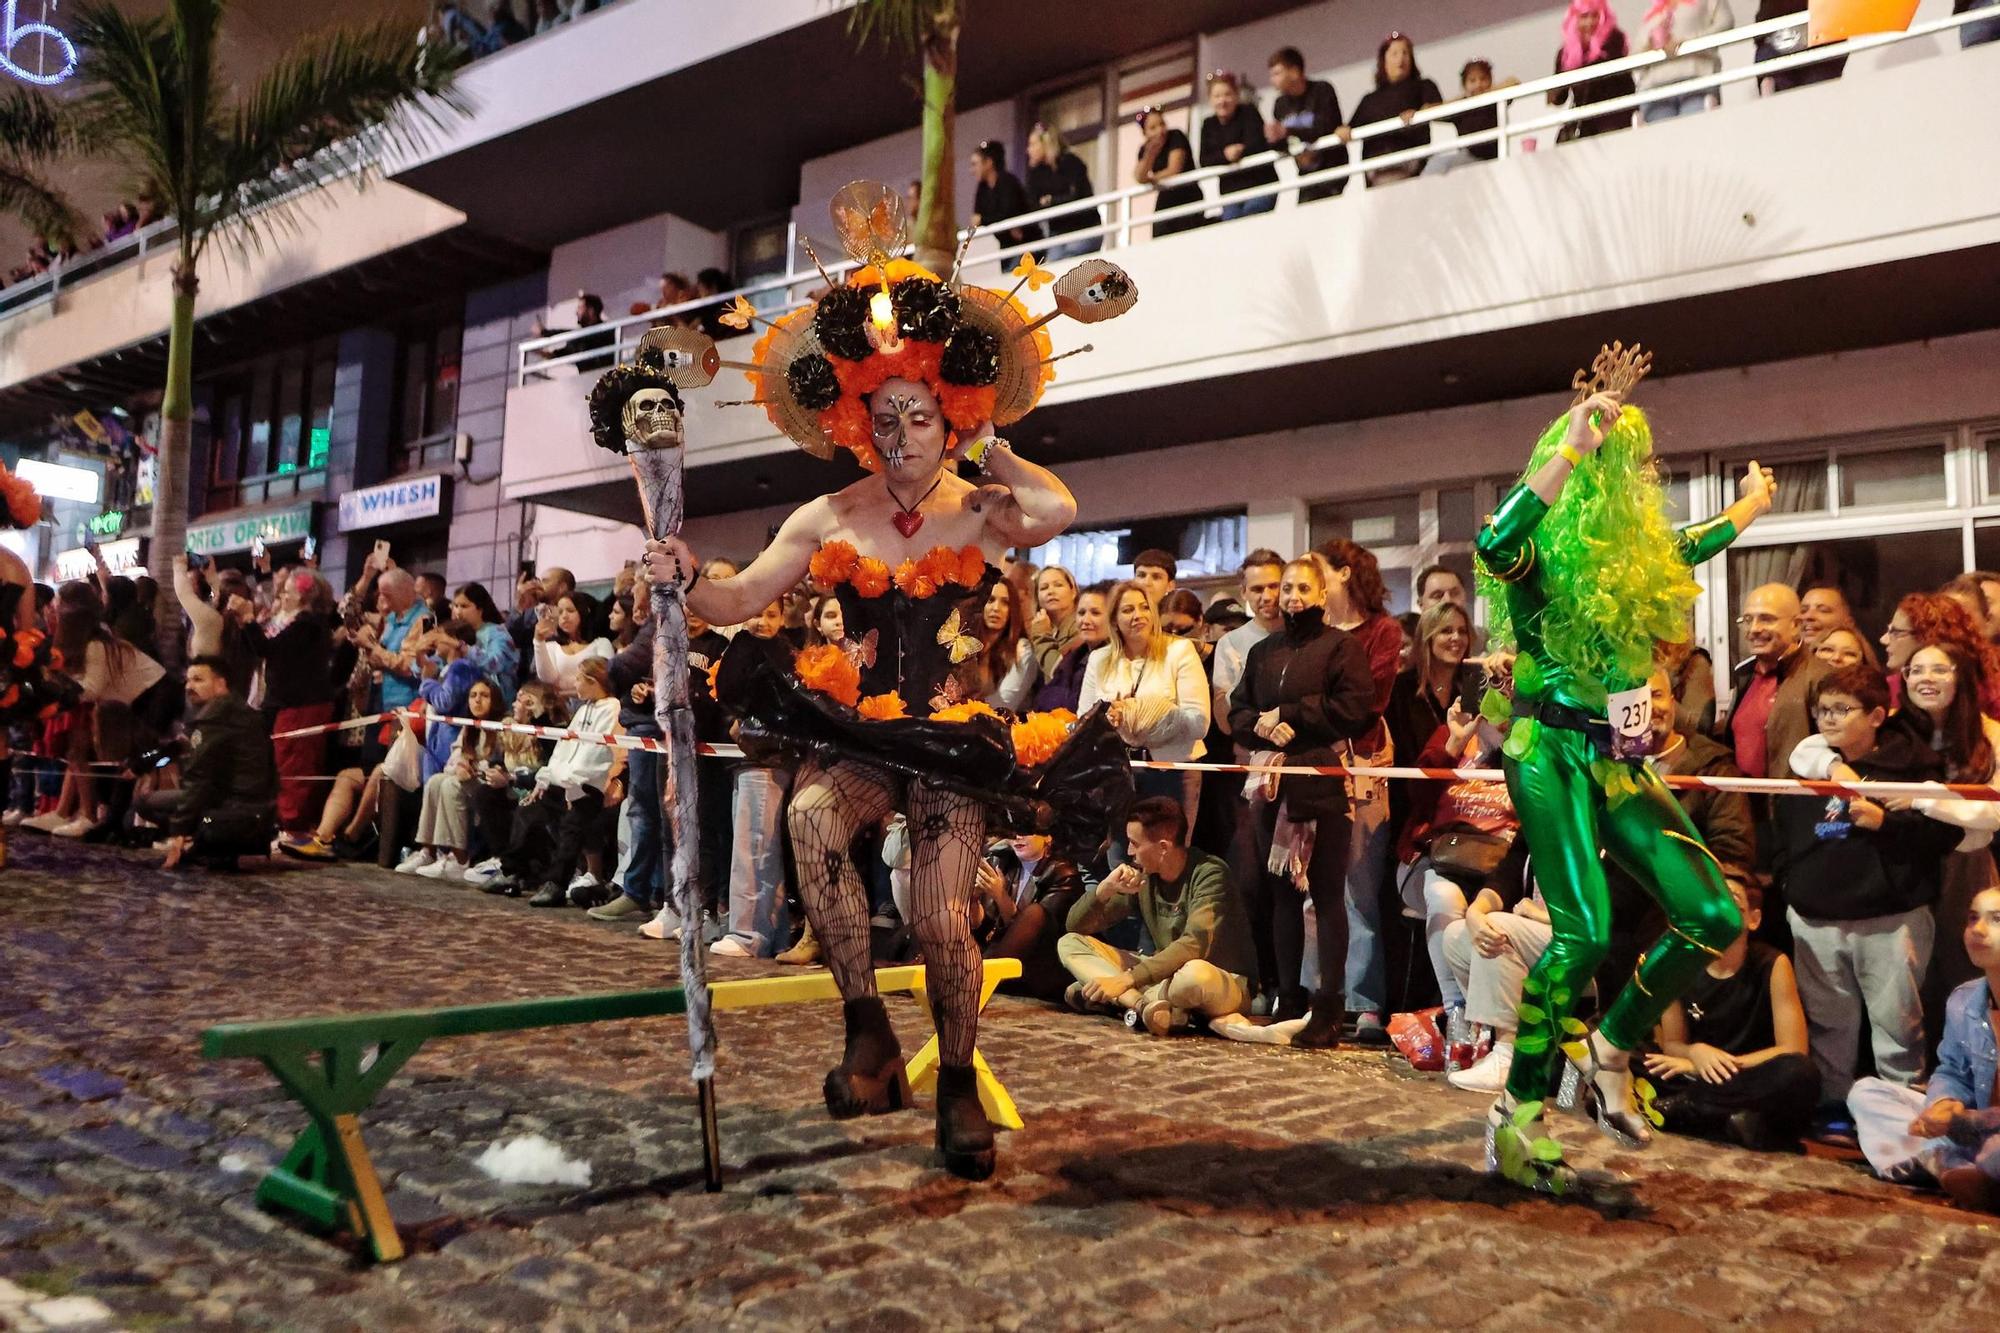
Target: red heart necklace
<point x="906" y="518"/>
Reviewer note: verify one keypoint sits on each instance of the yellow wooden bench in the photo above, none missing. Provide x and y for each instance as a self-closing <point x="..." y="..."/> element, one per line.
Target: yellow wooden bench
<point x="922" y="1069"/>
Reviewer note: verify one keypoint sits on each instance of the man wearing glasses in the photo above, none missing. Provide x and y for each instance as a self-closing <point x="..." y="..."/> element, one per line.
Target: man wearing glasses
<point x="1772" y="685"/>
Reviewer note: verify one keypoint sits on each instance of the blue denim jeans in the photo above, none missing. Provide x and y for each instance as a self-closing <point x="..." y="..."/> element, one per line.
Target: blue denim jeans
<point x="1243" y="208"/>
<point x="757" y="914"/>
<point x="1689" y="104"/>
<point x="1367" y="866"/>
<point x="645" y="878"/>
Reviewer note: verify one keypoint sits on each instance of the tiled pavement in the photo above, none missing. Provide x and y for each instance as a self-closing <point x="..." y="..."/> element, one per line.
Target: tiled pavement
<point x="1188" y="1183"/>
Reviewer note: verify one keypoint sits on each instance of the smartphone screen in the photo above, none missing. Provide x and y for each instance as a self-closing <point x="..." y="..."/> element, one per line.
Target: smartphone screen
<point x="257" y="548"/>
<point x="311" y="551"/>
<point x="382" y="549"/>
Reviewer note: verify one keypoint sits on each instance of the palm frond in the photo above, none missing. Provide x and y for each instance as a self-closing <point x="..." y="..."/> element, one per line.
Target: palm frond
<point x="286" y="136"/>
<point x="194" y="29"/>
<point x="130" y="109"/>
<point x="47" y="211"/>
<point x="897" y="23"/>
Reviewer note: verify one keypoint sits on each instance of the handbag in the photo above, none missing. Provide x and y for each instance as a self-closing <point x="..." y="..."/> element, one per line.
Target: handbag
<point x="1469" y="853"/>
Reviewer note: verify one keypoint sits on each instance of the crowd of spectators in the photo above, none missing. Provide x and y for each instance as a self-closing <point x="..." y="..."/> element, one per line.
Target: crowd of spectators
<point x="1303" y="111"/>
<point x="485" y="26"/>
<point x="1317" y="908"/>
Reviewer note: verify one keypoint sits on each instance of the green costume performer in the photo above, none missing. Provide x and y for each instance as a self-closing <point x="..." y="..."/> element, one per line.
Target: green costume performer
<point x="1585" y="575"/>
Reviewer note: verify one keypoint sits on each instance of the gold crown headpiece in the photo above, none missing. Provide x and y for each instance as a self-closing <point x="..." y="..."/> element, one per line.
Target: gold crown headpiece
<point x="1617" y="369"/>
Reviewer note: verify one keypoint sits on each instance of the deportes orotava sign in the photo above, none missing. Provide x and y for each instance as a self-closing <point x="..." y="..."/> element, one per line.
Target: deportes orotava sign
<point x="396" y="502"/>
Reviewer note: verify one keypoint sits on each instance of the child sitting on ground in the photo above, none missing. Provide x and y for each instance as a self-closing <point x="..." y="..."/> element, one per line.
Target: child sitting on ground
<point x="1949" y="1134"/>
<point x="1732" y="1060"/>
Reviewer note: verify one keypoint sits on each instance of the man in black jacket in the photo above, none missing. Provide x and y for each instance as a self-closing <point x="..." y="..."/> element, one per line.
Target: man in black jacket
<point x="224" y="806"/>
<point x="1860" y="880"/>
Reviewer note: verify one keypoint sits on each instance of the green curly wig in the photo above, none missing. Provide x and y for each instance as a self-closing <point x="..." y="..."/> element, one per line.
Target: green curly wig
<point x="1607" y="560"/>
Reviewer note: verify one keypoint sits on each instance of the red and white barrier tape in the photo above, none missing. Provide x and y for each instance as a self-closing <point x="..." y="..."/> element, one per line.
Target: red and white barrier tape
<point x="1964" y="791"/>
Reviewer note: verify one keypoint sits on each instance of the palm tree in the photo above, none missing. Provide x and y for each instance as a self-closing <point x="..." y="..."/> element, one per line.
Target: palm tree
<point x="155" y="102"/>
<point x="929" y="28"/>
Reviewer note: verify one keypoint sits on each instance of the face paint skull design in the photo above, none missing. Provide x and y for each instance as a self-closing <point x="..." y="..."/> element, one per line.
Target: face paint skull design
<point x="907" y="426"/>
<point x="652" y="421"/>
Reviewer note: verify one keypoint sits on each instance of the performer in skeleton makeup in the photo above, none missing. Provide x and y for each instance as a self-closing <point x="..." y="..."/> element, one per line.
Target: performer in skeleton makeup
<point x="1585" y="575"/>
<point x="910" y="374"/>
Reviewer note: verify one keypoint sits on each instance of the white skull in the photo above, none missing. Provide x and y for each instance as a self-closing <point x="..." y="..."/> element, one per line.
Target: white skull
<point x="651" y="420"/>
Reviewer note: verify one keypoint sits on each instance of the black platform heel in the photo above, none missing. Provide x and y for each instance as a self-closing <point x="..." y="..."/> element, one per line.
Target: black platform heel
<point x="964" y="1135"/>
<point x="869" y="1079"/>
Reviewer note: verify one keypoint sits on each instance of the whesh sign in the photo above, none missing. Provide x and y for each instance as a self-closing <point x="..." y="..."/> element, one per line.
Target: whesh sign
<point x="396" y="502"/>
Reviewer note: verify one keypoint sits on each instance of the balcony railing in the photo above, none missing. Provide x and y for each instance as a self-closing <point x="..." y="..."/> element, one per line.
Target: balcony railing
<point x="264" y="487"/>
<point x="1517" y="121"/>
<point x="347" y="158"/>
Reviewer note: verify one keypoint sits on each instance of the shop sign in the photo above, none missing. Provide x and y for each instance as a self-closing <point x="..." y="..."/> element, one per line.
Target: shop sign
<point x="107" y="524"/>
<point x="238" y="534"/>
<point x="121" y="557"/>
<point x="60" y="481"/>
<point x="395" y="502"/>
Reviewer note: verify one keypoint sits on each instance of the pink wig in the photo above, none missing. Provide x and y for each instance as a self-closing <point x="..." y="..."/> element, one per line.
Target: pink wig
<point x="1657" y="21"/>
<point x="1575" y="54"/>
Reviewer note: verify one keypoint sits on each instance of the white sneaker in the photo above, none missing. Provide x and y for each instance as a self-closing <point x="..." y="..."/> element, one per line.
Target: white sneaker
<point x="583" y="882"/>
<point x="1490" y="1074"/>
<point x="414" y="863"/>
<point x="76" y="828"/>
<point x="443" y="867"/>
<point x="482" y="873"/>
<point x="730" y="947"/>
<point x="13" y="817"/>
<point x="45" y="823"/>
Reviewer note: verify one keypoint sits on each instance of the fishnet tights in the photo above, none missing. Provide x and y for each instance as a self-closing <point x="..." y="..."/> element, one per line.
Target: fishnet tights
<point x="830" y="805"/>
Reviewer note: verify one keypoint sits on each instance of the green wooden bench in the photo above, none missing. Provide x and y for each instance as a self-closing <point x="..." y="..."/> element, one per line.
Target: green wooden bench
<point x="325" y="1064"/>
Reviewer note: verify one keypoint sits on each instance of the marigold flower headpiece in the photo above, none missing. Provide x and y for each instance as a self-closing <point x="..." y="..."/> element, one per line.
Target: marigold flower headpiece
<point x="979" y="350"/>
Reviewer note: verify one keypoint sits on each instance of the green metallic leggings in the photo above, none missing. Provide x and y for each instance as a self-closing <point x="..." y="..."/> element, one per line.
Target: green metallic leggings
<point x="1566" y="818"/>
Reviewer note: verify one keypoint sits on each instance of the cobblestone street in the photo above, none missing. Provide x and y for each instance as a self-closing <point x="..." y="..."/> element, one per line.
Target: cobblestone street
<point x="1188" y="1183"/>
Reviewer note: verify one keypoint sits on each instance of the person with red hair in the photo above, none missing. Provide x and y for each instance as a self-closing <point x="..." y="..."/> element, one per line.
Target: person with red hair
<point x="1929" y="619"/>
<point x="1591" y="36"/>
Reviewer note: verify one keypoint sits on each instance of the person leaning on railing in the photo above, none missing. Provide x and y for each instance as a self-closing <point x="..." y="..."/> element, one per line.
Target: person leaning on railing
<point x="1591" y="36"/>
<point x="1232" y="132"/>
<point x="1668" y="25"/>
<point x="1164" y="154"/>
<point x="1400" y="92"/>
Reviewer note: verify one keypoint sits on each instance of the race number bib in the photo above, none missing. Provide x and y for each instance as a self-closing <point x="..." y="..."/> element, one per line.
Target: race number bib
<point x="1631" y="716"/>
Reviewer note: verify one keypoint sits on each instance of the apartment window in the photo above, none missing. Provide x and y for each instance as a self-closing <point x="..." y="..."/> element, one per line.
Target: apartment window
<point x="427" y="383"/>
<point x="1409" y="532"/>
<point x="270" y="427"/>
<point x="1876" y="517"/>
<point x="1208" y="548"/>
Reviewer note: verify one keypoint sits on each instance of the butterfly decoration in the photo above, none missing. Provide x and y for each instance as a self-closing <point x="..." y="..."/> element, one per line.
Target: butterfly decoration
<point x="864" y="651"/>
<point x="1033" y="274"/>
<point x="950" y="694"/>
<point x="963" y="646"/>
<point x="739" y="314"/>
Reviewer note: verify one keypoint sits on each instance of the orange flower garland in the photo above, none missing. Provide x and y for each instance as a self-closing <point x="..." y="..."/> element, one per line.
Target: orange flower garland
<point x="1039" y="735"/>
<point x="834" y="563"/>
<point x="25" y="643"/>
<point x="713" y="668"/>
<point x="883" y="707"/>
<point x="837" y="562"/>
<point x="24" y="506"/>
<point x="826" y="669"/>
<point x="971" y="567"/>
<point x="916" y="579"/>
<point x="871" y="577"/>
<point x="964" y="712"/>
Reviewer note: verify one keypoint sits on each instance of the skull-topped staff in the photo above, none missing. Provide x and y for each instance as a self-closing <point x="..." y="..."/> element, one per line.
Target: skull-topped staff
<point x="635" y="411"/>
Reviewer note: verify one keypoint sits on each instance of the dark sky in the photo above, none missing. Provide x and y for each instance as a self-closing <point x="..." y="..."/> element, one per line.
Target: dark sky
<point x="255" y="33"/>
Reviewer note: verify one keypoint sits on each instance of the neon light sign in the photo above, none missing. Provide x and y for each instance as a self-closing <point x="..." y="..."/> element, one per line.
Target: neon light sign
<point x="14" y="33"/>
